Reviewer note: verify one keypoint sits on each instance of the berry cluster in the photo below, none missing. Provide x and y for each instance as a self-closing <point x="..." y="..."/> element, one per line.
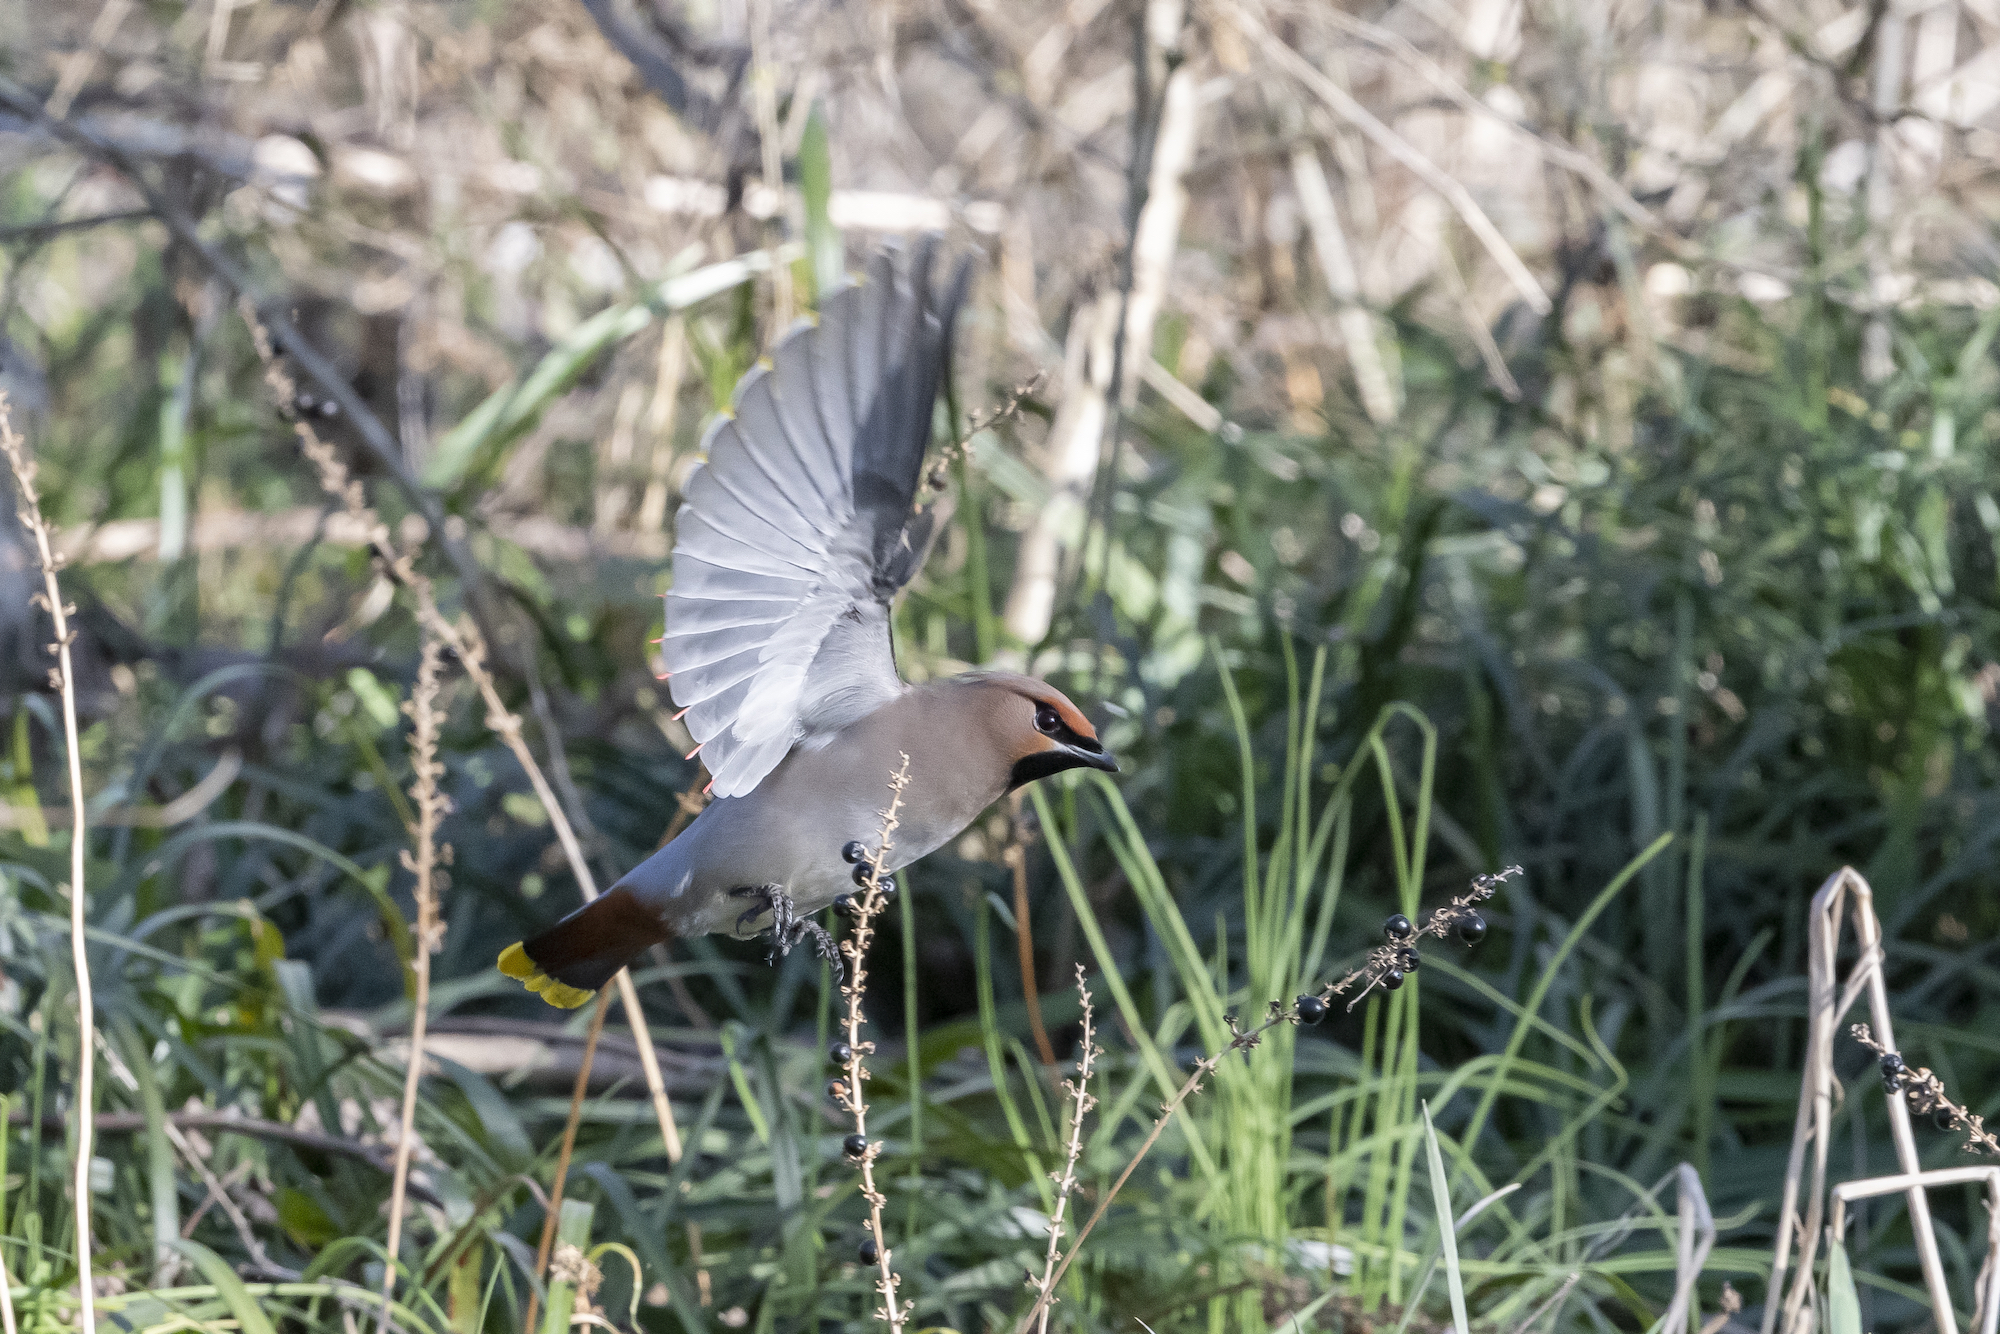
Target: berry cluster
<point x="1923" y="1092"/>
<point x="1388" y="965"/>
<point x="856" y="853"/>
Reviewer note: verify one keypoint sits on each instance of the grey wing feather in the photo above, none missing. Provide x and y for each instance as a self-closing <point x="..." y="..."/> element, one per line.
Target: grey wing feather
<point x="802" y="527"/>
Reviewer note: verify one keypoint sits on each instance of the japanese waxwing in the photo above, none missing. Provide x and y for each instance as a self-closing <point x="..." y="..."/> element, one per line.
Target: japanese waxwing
<point x="793" y="542"/>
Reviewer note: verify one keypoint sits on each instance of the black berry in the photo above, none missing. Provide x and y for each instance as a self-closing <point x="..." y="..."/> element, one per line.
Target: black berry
<point x="844" y="905"/>
<point x="1397" y="927"/>
<point x="1311" y="1009"/>
<point x="862" y="874"/>
<point x="1891" y="1063"/>
<point x="836" y="1090"/>
<point x="1392" y="979"/>
<point x="870" y="1252"/>
<point x="1408" y="961"/>
<point x="855" y="1145"/>
<point x="1473" y="929"/>
<point x="840" y="1053"/>
<point x="1943" y="1119"/>
<point x="854" y="852"/>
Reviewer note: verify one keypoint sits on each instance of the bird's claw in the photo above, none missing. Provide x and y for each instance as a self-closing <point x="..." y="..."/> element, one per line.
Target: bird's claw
<point x="788" y="927"/>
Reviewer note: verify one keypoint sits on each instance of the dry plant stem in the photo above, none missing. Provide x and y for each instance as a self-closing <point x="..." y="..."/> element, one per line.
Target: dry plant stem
<point x="1369" y="975"/>
<point x="470" y="645"/>
<point x="431" y="808"/>
<point x="553" y="1212"/>
<point x="1926" y="1095"/>
<point x="50" y="600"/>
<point x="1081" y="1102"/>
<point x="853" y="988"/>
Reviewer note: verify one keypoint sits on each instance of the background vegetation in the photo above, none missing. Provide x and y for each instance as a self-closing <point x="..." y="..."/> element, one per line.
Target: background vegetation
<point x="1472" y="434"/>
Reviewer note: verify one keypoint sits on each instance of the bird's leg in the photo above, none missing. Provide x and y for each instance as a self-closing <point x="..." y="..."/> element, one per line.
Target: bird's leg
<point x="788" y="927"/>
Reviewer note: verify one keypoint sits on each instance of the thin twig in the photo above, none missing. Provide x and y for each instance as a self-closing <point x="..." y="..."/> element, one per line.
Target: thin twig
<point x="1081" y="1101"/>
<point x="1015" y="858"/>
<point x="853" y="988"/>
<point x="1395" y="145"/>
<point x="28" y="508"/>
<point x="469" y="643"/>
<point x="431" y="808"/>
<point x="553" y="1213"/>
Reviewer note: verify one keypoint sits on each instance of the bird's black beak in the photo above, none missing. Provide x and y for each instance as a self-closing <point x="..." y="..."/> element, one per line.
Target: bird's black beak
<point x="1077" y="754"/>
<point x="1093" y="755"/>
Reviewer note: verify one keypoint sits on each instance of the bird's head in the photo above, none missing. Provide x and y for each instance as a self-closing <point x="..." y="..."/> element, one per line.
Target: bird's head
<point x="1038" y="731"/>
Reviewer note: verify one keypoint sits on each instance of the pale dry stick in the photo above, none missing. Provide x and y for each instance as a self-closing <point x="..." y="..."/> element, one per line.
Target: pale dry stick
<point x="198" y="1160"/>
<point x="1563" y="155"/>
<point x="431" y="807"/>
<point x="1372" y="973"/>
<point x="28" y="509"/>
<point x="1828" y="1001"/>
<point x="1986" y="1288"/>
<point x="470" y="646"/>
<point x="77" y="68"/>
<point x="552" y="1212"/>
<point x="1342" y="104"/>
<point x="1081" y="1101"/>
<point x="853" y="987"/>
<point x="1336" y="264"/>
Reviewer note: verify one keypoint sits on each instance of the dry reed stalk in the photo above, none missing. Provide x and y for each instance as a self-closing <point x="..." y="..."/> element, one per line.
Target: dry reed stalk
<point x="28" y="508"/>
<point x="1376" y="971"/>
<point x="853" y="988"/>
<point x="470" y="646"/>
<point x="431" y="808"/>
<point x="553" y="1213"/>
<point x="1828" y="1000"/>
<point x="1081" y="1101"/>
<point x="1986" y="1287"/>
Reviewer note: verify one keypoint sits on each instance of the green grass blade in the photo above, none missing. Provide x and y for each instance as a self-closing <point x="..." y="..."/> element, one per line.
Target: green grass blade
<point x="1447" y="1231"/>
<point x="1843" y="1302"/>
<point x="250" y="1317"/>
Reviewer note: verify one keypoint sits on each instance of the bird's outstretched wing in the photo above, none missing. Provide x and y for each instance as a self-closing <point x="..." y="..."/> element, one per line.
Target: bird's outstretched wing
<point x="801" y="528"/>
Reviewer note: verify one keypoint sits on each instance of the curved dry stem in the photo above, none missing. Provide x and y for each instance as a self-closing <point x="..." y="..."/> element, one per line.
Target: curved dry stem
<point x="62" y="679"/>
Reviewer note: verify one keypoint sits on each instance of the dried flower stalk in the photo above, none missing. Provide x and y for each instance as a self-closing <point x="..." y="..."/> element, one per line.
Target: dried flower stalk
<point x="466" y="641"/>
<point x="431" y="806"/>
<point x="1081" y="1101"/>
<point x="1925" y="1094"/>
<point x="28" y="508"/>
<point x="853" y="989"/>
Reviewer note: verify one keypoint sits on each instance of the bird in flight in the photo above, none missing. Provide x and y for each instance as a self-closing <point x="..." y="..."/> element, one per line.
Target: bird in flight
<point x="794" y="540"/>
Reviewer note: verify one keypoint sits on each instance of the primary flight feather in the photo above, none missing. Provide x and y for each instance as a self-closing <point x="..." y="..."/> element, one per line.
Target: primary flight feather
<point x="794" y="539"/>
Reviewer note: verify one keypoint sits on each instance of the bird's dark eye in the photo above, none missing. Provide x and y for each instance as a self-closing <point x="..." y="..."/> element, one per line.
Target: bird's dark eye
<point x="1047" y="720"/>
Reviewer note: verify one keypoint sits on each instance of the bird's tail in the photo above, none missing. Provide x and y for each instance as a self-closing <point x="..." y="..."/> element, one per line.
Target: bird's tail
<point x="573" y="959"/>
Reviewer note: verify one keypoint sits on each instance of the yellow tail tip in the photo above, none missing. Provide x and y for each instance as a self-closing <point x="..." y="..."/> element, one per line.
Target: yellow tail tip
<point x="515" y="963"/>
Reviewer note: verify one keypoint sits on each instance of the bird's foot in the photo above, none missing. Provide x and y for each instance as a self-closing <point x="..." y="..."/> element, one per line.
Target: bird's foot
<point x="788" y="926"/>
